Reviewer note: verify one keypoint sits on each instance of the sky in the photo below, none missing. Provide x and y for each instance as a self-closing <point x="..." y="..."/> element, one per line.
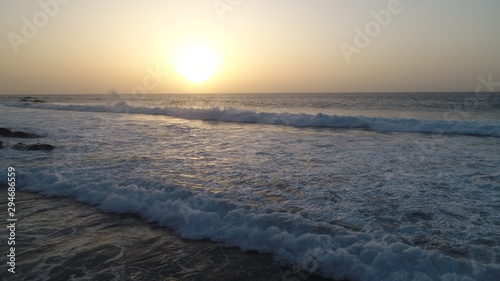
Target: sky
<point x="246" y="46"/>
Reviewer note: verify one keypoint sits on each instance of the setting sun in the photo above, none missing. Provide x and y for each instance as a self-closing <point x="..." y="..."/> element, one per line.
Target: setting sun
<point x="196" y="62"/>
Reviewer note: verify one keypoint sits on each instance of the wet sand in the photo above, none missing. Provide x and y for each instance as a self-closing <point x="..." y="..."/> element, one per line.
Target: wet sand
<point x="61" y="239"/>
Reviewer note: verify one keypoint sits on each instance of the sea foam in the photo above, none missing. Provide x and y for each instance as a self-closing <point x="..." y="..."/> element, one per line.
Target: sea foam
<point x="290" y="238"/>
<point x="458" y="127"/>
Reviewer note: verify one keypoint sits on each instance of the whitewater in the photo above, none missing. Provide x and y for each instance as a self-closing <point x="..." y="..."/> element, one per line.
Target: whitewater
<point x="362" y="187"/>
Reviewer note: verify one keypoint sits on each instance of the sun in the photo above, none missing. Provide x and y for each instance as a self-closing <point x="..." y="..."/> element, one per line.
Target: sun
<point x="196" y="62"/>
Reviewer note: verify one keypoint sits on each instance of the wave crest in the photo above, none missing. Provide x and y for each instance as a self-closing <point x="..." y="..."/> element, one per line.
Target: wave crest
<point x="379" y="124"/>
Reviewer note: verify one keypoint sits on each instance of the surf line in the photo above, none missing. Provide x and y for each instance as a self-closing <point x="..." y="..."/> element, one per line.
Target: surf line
<point x="11" y="210"/>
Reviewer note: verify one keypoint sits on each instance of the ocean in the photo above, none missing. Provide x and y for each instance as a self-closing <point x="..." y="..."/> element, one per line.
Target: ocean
<point x="354" y="186"/>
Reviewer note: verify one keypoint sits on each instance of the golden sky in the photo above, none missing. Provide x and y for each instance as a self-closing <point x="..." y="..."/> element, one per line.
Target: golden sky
<point x="243" y="46"/>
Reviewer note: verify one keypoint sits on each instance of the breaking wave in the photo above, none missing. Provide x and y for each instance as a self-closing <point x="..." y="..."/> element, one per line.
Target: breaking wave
<point x="379" y="124"/>
<point x="290" y="238"/>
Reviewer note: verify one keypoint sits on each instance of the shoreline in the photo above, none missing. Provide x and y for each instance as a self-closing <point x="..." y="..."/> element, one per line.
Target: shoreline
<point x="59" y="238"/>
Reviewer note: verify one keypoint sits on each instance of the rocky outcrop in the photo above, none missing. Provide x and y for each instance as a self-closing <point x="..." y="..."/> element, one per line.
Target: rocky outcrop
<point x="30" y="99"/>
<point x="4" y="132"/>
<point x="36" y="146"/>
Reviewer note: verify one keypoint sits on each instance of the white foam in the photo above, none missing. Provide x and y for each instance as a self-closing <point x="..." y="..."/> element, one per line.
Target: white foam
<point x="480" y="128"/>
<point x="342" y="254"/>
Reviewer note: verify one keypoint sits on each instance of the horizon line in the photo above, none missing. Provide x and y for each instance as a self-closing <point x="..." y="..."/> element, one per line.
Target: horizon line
<point x="252" y="93"/>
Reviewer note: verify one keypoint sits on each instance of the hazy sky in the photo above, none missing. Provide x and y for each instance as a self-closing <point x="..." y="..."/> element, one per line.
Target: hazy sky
<point x="91" y="46"/>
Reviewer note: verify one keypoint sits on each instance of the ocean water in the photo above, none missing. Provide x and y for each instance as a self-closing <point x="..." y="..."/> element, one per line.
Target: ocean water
<point x="358" y="186"/>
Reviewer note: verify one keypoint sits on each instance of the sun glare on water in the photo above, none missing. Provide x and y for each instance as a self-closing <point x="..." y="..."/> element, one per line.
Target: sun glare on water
<point x="196" y="62"/>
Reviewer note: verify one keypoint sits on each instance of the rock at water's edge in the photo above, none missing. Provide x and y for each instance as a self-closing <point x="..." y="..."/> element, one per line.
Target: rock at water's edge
<point x="30" y="99"/>
<point x="37" y="146"/>
<point x="4" y="132"/>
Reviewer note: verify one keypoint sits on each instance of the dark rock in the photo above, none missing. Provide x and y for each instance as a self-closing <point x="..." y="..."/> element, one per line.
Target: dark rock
<point x="24" y="135"/>
<point x="1" y="145"/>
<point x="4" y="132"/>
<point x="37" y="146"/>
<point x="30" y="99"/>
